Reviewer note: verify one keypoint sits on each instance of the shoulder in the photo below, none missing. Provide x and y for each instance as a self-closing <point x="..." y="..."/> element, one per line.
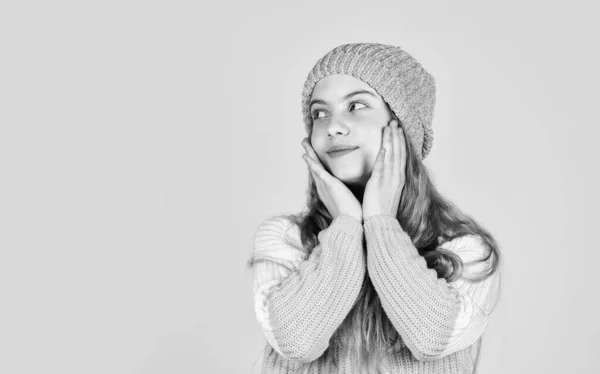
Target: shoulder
<point x="278" y="239"/>
<point x="475" y="253"/>
<point x="281" y="228"/>
<point x="274" y="226"/>
<point x="469" y="247"/>
<point x="472" y="250"/>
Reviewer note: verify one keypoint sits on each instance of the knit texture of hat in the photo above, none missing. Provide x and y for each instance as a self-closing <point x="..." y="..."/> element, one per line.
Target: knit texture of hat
<point x="394" y="74"/>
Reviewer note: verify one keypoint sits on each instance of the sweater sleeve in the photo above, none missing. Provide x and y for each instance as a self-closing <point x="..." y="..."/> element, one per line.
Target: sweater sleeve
<point x="434" y="318"/>
<point x="301" y="302"/>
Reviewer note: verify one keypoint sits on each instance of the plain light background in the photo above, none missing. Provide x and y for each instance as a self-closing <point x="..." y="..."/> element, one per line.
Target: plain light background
<point x="143" y="142"/>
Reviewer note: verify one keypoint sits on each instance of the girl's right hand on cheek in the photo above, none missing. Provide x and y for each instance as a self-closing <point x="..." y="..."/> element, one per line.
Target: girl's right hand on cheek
<point x="338" y="198"/>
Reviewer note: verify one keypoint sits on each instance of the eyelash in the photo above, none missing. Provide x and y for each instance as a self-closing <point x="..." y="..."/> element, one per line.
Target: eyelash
<point x="320" y="110"/>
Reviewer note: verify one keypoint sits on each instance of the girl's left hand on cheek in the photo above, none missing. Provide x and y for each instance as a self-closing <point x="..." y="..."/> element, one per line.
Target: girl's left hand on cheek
<point x="384" y="188"/>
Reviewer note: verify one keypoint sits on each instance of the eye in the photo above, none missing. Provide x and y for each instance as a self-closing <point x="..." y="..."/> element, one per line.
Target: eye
<point x="316" y="111"/>
<point x="356" y="102"/>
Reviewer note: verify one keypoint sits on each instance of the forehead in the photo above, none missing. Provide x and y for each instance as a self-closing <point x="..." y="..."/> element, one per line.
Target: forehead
<point x="337" y="85"/>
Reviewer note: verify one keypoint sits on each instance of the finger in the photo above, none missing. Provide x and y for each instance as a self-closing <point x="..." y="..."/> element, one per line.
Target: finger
<point x="310" y="168"/>
<point x="317" y="164"/>
<point x="389" y="151"/>
<point x="318" y="169"/>
<point x="310" y="150"/>
<point x="378" y="166"/>
<point x="403" y="152"/>
<point x="396" y="138"/>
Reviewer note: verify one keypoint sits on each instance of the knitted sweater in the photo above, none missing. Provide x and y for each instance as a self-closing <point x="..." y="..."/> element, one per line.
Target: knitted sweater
<point x="300" y="300"/>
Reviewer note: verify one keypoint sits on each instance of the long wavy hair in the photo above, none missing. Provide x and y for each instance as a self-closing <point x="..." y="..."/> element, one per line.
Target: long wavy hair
<point x="430" y="220"/>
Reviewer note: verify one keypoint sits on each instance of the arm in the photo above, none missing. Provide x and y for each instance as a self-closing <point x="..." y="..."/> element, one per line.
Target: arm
<point x="434" y="318"/>
<point x="301" y="304"/>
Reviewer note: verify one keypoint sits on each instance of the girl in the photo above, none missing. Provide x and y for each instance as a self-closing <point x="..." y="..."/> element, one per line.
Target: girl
<point x="381" y="274"/>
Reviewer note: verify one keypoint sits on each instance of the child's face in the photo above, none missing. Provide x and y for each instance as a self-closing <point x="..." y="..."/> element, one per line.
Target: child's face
<point x="357" y="121"/>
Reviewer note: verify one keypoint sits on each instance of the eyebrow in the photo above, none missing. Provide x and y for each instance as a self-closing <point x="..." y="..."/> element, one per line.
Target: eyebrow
<point x="346" y="97"/>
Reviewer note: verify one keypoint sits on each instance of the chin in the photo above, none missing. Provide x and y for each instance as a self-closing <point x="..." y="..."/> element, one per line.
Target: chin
<point x="351" y="175"/>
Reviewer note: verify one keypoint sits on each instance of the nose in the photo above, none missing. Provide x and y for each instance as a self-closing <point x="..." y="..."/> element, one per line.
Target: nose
<point x="337" y="127"/>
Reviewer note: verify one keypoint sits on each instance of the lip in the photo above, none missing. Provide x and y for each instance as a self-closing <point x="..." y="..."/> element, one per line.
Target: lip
<point x="341" y="153"/>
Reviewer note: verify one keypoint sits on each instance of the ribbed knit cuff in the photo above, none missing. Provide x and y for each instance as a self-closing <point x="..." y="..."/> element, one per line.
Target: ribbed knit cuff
<point x="382" y="221"/>
<point x="348" y="224"/>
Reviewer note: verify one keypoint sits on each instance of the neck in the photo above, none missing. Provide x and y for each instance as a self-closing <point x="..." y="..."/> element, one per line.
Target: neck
<point x="358" y="190"/>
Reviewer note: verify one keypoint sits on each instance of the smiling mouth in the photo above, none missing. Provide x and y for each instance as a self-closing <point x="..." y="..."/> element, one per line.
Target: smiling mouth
<point x="341" y="152"/>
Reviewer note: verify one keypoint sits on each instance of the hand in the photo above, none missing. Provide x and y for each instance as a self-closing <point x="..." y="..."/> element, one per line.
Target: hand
<point x="384" y="188"/>
<point x="333" y="192"/>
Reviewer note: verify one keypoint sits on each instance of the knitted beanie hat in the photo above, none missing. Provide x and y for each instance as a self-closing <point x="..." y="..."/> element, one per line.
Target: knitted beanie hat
<point x="394" y="74"/>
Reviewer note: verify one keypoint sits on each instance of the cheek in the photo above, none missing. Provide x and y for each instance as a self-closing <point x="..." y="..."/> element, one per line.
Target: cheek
<point x="373" y="149"/>
<point x="318" y="145"/>
<point x="370" y="158"/>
